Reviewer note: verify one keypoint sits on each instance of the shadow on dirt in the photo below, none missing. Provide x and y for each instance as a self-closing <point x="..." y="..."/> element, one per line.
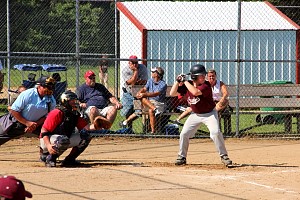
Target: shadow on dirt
<point x="98" y="163"/>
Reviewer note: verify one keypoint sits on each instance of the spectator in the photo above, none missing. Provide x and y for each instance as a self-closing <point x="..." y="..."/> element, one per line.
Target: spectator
<point x="203" y="111"/>
<point x="1" y="77"/>
<point x="56" y="77"/>
<point x="152" y="96"/>
<point x="12" y="188"/>
<point x="134" y="74"/>
<point x="103" y="71"/>
<point x="58" y="132"/>
<point x="28" y="112"/>
<point x="30" y="82"/>
<point x="31" y="77"/>
<point x="20" y="89"/>
<point x="184" y="107"/>
<point x="220" y="93"/>
<point x="95" y="98"/>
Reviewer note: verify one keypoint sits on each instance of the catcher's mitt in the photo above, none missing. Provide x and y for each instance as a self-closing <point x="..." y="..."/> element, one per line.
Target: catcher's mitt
<point x="101" y="123"/>
<point x="223" y="103"/>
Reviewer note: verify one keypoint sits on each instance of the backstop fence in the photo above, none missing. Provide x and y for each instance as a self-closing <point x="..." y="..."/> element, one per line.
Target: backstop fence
<point x="245" y="42"/>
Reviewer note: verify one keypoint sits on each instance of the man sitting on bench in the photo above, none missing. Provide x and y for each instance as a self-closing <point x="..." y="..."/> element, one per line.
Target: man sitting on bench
<point x="152" y="96"/>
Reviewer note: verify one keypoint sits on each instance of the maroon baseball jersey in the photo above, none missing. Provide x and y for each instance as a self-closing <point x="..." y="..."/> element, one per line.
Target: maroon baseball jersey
<point x="200" y="104"/>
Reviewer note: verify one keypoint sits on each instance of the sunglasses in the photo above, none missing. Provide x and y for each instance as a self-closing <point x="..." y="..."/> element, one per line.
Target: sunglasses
<point x="156" y="72"/>
<point x="92" y="77"/>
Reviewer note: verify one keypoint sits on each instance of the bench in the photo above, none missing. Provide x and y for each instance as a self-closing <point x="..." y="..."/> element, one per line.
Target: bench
<point x="267" y="99"/>
<point x="170" y="102"/>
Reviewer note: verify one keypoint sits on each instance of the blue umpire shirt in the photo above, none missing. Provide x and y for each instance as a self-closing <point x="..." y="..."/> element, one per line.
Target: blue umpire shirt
<point x="31" y="106"/>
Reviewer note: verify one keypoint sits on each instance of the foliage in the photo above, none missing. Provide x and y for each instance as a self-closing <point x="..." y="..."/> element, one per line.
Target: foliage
<point x="42" y="26"/>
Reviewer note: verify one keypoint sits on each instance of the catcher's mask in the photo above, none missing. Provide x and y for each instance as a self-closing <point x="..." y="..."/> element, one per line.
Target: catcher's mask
<point x="69" y="100"/>
<point x="48" y="83"/>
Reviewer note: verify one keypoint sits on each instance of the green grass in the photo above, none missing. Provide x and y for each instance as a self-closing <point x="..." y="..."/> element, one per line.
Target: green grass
<point x="245" y="120"/>
<point x="17" y="76"/>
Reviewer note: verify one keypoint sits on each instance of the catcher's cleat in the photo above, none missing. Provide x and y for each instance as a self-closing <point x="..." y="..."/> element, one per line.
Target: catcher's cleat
<point x="180" y="160"/>
<point x="51" y="161"/>
<point x="225" y="160"/>
<point x="43" y="157"/>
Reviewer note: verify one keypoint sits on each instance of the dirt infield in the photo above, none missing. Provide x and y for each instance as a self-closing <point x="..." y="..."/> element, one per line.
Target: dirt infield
<point x="130" y="168"/>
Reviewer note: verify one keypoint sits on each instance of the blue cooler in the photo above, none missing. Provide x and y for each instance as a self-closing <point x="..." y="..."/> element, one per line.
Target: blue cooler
<point x="172" y="129"/>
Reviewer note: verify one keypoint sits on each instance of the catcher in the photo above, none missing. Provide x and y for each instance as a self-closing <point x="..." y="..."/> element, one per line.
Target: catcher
<point x="58" y="131"/>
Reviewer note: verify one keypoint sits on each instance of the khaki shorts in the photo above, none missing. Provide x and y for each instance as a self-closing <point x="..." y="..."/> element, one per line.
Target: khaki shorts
<point x="103" y="112"/>
<point x="159" y="105"/>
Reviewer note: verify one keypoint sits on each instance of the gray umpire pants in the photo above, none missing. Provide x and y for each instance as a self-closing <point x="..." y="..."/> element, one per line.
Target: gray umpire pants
<point x="191" y="125"/>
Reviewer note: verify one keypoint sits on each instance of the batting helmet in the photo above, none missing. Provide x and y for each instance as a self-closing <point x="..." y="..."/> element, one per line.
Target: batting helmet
<point x="197" y="70"/>
<point x="65" y="99"/>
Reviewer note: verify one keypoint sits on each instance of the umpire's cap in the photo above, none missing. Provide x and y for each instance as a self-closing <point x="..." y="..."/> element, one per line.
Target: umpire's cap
<point x="46" y="81"/>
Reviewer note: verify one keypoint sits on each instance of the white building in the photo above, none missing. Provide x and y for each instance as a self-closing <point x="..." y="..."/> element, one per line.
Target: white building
<point x="208" y="31"/>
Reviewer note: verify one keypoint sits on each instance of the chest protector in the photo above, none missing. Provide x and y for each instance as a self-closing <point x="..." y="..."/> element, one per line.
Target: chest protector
<point x="67" y="126"/>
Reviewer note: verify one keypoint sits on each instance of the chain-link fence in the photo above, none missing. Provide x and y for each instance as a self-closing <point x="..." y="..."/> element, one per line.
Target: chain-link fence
<point x="244" y="42"/>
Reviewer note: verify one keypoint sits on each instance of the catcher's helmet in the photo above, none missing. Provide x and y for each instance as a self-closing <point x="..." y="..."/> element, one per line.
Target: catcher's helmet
<point x="65" y="98"/>
<point x="197" y="70"/>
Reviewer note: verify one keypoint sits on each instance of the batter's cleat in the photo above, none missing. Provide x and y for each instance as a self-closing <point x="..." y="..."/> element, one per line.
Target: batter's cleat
<point x="180" y="160"/>
<point x="225" y="160"/>
<point x="51" y="161"/>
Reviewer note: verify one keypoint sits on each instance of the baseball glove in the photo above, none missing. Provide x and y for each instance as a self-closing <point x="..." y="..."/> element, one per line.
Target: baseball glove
<point x="101" y="123"/>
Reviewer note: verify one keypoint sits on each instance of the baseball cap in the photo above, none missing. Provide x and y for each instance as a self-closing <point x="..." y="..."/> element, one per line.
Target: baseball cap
<point x="46" y="81"/>
<point x="13" y="188"/>
<point x="133" y="58"/>
<point x="159" y="70"/>
<point x="89" y="73"/>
